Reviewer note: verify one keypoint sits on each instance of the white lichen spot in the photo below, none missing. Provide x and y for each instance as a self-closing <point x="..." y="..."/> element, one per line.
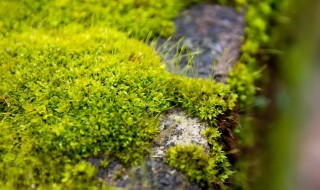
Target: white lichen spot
<point x="177" y="128"/>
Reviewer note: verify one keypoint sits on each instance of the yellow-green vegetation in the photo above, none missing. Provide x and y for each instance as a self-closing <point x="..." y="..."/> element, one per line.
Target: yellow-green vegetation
<point x="242" y="80"/>
<point x="207" y="101"/>
<point x="200" y="167"/>
<point x="139" y="18"/>
<point x="208" y="170"/>
<point x="74" y="85"/>
<point x="73" y="90"/>
<point x="71" y="94"/>
<point x="258" y="15"/>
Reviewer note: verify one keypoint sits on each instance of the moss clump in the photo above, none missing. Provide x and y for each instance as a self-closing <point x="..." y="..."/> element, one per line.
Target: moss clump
<point x="71" y="95"/>
<point x="208" y="100"/>
<point x="193" y="162"/>
<point x="216" y="151"/>
<point x="200" y="168"/>
<point x="258" y="15"/>
<point x="208" y="170"/>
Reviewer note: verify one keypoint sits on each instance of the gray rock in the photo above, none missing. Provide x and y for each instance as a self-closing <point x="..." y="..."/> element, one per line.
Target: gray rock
<point x="182" y="130"/>
<point x="213" y="32"/>
<point x="152" y="174"/>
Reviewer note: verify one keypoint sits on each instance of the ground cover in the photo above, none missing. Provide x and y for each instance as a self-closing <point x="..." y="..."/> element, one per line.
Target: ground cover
<point x="76" y="82"/>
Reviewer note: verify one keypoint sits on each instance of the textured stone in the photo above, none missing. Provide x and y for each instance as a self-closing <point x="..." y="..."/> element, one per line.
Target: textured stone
<point x="213" y="31"/>
<point x="177" y="128"/>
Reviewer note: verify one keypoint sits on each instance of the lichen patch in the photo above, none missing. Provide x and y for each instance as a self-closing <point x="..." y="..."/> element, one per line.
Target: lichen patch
<point x="179" y="128"/>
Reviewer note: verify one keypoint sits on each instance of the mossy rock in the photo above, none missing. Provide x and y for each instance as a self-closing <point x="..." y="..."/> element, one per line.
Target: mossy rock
<point x="67" y="95"/>
<point x="73" y="88"/>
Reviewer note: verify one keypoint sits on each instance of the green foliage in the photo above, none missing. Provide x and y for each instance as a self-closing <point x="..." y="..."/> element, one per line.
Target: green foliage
<point x="241" y="80"/>
<point x="204" y="98"/>
<point x="65" y="99"/>
<point x="222" y="165"/>
<point x="74" y="175"/>
<point x="257" y="18"/>
<point x="200" y="167"/>
<point x="139" y="18"/>
<point x="73" y="87"/>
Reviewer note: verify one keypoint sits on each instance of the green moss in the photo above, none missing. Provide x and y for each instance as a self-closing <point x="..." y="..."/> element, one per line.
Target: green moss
<point x="208" y="170"/>
<point x="242" y="82"/>
<point x="199" y="167"/>
<point x="204" y="98"/>
<point x="217" y="153"/>
<point x="70" y="94"/>
<point x="140" y="18"/>
<point x="74" y="87"/>
<point x="71" y="99"/>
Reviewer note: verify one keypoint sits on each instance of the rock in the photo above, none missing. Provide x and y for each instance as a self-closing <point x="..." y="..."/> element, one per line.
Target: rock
<point x="177" y="128"/>
<point x="152" y="174"/>
<point x="214" y="31"/>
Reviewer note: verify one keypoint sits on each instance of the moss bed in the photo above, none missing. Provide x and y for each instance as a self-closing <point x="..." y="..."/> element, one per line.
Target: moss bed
<point x="75" y="82"/>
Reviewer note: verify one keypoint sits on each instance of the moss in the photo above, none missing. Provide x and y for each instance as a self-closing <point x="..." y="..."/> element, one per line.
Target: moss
<point x="71" y="99"/>
<point x="208" y="170"/>
<point x="74" y="87"/>
<point x="199" y="167"/>
<point x="242" y="82"/>
<point x="204" y="98"/>
<point x="140" y="18"/>
<point x="193" y="162"/>
<point x="73" y="93"/>
<point x="217" y="153"/>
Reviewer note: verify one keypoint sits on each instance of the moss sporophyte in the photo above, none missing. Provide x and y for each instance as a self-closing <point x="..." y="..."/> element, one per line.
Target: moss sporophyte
<point x="73" y="86"/>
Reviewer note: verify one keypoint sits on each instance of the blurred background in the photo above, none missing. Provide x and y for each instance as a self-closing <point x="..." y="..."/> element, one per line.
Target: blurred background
<point x="292" y="156"/>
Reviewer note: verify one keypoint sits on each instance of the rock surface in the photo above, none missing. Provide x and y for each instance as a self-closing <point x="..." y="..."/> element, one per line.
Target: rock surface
<point x="153" y="173"/>
<point x="215" y="32"/>
<point x="177" y="128"/>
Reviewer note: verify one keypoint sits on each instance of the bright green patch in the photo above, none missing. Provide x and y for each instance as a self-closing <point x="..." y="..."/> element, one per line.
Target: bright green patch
<point x="208" y="170"/>
<point x="200" y="167"/>
<point x="208" y="100"/>
<point x="71" y="94"/>
<point x="140" y="18"/>
<point x="74" y="88"/>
